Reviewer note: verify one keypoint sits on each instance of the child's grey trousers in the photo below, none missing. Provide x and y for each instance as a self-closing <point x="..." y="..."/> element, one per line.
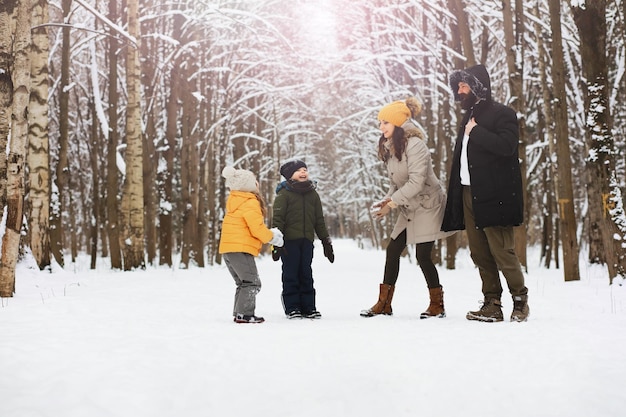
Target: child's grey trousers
<point x="243" y="269"/>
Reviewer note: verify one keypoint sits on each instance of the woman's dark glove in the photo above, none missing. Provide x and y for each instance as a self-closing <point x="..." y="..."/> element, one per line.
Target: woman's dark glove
<point x="328" y="249"/>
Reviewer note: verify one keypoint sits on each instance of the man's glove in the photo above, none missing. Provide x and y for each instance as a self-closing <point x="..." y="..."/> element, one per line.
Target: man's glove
<point x="328" y="249"/>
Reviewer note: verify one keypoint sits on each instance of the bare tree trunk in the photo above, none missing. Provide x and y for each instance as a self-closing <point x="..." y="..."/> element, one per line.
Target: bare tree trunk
<point x="38" y="160"/>
<point x="550" y="176"/>
<point x="95" y="212"/>
<point x="458" y="9"/>
<point x="201" y="182"/>
<point x="17" y="149"/>
<point x="150" y="48"/>
<point x="112" y="220"/>
<point x="165" y="179"/>
<point x="71" y="208"/>
<point x="212" y="228"/>
<point x="547" y="229"/>
<point x="435" y="142"/>
<point x="460" y="42"/>
<point x="221" y="151"/>
<point x="132" y="195"/>
<point x="189" y="179"/>
<point x="513" y="39"/>
<point x="565" y="193"/>
<point x="606" y="210"/>
<point x="62" y="170"/>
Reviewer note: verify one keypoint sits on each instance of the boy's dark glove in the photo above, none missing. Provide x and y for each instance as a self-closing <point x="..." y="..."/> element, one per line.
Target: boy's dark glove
<point x="276" y="252"/>
<point x="328" y="249"/>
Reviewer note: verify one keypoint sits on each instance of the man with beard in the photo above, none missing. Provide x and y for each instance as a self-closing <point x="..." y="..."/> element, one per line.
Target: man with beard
<point x="485" y="192"/>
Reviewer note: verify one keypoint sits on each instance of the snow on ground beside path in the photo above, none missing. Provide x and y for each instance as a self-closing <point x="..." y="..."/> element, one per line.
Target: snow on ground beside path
<point x="161" y="343"/>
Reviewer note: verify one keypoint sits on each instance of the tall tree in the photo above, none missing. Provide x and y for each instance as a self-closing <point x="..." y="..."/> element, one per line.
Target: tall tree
<point x="464" y="32"/>
<point x="565" y="193"/>
<point x="514" y="42"/>
<point x="190" y="162"/>
<point x="461" y="42"/>
<point x="606" y="210"/>
<point x="165" y="176"/>
<point x="550" y="237"/>
<point x="150" y="47"/>
<point x="38" y="160"/>
<point x="132" y="196"/>
<point x="62" y="169"/>
<point x="112" y="211"/>
<point x="7" y="15"/>
<point x="6" y="88"/>
<point x="16" y="162"/>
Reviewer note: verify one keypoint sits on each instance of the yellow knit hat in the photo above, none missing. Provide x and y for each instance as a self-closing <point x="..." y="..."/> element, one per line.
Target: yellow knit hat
<point x="395" y="113"/>
<point x="398" y="112"/>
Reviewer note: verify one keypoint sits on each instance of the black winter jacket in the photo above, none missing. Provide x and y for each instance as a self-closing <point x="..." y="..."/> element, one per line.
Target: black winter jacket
<point x="493" y="162"/>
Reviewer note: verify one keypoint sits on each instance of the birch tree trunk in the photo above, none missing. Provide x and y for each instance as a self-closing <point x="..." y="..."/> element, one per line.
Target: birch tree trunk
<point x="606" y="211"/>
<point x="38" y="160"/>
<point x="565" y="193"/>
<point x="6" y="90"/>
<point x="17" y="149"/>
<point x="132" y="196"/>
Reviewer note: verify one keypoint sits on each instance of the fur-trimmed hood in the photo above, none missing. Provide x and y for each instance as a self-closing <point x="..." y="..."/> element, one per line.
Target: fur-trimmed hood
<point x="476" y="77"/>
<point x="410" y="130"/>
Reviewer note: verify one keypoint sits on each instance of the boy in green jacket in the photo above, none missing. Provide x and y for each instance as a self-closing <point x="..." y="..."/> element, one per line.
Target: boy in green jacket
<point x="298" y="214"/>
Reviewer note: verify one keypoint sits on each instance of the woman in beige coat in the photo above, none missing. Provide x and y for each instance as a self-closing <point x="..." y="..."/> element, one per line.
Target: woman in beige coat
<point x="419" y="198"/>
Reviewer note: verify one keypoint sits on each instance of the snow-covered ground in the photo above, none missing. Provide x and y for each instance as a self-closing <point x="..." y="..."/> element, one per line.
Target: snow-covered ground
<point x="162" y="343"/>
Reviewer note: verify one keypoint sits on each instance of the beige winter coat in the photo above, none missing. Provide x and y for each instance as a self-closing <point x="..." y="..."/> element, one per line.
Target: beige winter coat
<point x="417" y="191"/>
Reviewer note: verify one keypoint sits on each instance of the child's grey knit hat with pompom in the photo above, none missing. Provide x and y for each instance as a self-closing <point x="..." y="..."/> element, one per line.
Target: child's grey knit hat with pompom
<point x="239" y="179"/>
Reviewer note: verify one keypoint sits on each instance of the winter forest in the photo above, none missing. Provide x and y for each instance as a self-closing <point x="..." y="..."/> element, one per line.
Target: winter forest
<point x="118" y="117"/>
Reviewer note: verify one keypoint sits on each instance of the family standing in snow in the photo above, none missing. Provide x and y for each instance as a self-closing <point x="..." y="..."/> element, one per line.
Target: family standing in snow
<point x="484" y="197"/>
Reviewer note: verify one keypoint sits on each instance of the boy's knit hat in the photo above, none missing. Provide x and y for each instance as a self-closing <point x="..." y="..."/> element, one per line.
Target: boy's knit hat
<point x="398" y="112"/>
<point x="239" y="179"/>
<point x="288" y="168"/>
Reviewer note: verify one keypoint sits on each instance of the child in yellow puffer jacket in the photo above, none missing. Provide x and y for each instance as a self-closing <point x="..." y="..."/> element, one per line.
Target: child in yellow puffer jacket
<point x="243" y="234"/>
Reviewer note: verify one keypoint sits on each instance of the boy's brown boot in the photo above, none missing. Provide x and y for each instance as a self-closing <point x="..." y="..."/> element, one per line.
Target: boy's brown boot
<point x="435" y="308"/>
<point x="383" y="306"/>
<point x="491" y="311"/>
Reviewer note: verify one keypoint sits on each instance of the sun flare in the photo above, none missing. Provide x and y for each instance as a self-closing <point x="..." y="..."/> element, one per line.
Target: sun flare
<point x="318" y="25"/>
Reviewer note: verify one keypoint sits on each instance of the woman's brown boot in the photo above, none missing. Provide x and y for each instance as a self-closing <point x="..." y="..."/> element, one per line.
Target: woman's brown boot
<point x="435" y="308"/>
<point x="383" y="306"/>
